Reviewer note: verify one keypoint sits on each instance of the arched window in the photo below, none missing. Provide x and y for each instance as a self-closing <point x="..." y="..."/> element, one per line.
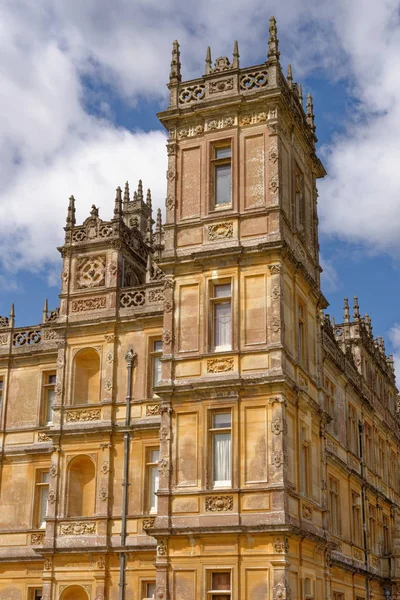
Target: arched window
<point x="81" y="487"/>
<point x="86" y="377"/>
<point x="74" y="592"/>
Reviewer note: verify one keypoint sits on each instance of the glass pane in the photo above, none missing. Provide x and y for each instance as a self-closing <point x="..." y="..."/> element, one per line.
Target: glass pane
<point x="157" y="346"/>
<point x="222" y="459"/>
<point x="222" y="325"/>
<point x="153" y="487"/>
<point x="223" y="184"/>
<point x="223" y="152"/>
<point x="151" y="590"/>
<point x="221" y="581"/>
<point x="156" y="370"/>
<point x="222" y="291"/>
<point x="45" y="478"/>
<point x="221" y="420"/>
<point x="50" y="396"/>
<point x="1" y="384"/>
<point x="154" y="456"/>
<point x="43" y="493"/>
<point x="52" y="379"/>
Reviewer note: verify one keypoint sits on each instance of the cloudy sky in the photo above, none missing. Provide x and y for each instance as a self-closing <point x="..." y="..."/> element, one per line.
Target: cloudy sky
<point x="81" y="82"/>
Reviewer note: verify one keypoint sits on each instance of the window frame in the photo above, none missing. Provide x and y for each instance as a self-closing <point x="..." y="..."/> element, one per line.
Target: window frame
<point x="356" y="525"/>
<point x="301" y="325"/>
<point x="47" y="386"/>
<point x="334" y="505"/>
<point x="216" y="162"/>
<point x="2" y="379"/>
<point x="212" y="433"/>
<point x="353" y="431"/>
<point x="299" y="199"/>
<point x="211" y="593"/>
<point x="305" y="452"/>
<point x="153" y="355"/>
<point x="372" y="527"/>
<point x="38" y="498"/>
<point x="330" y="396"/>
<point x="369" y="444"/>
<point x="213" y="301"/>
<point x="144" y="591"/>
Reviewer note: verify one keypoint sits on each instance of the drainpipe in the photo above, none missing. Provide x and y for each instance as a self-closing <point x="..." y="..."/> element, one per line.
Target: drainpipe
<point x="130" y="358"/>
<point x="364" y="520"/>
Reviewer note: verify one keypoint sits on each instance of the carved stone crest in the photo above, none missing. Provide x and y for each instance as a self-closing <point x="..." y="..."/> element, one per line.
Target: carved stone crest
<point x="51" y="497"/>
<point x="306" y="511"/>
<point x="219" y="231"/>
<point x="281" y="546"/>
<point x="91" y="272"/>
<point x="219" y="503"/>
<point x="220" y="365"/>
<point x="78" y="528"/>
<point x="152" y="410"/>
<point x="74" y="416"/>
<point x="103" y="493"/>
<point x="37" y="539"/>
<point x="148" y="523"/>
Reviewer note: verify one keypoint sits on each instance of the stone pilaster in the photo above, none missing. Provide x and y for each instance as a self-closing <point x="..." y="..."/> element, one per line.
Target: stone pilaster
<point x="278" y="460"/>
<point x="59" y="400"/>
<point x="54" y="499"/>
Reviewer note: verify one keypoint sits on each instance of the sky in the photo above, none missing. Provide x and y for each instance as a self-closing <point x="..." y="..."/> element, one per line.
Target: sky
<point x="80" y="85"/>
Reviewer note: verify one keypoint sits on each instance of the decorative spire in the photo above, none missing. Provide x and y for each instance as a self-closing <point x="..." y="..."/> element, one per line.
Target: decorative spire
<point x="289" y="76"/>
<point x="45" y="311"/>
<point x="300" y="90"/>
<point x="118" y="204"/>
<point x="149" y="228"/>
<point x="71" y="213"/>
<point x="368" y="325"/>
<point x="390" y="362"/>
<point x="235" y="64"/>
<point x="346" y="312"/>
<point x="175" y="74"/>
<point x="126" y="195"/>
<point x="158" y="221"/>
<point x="140" y="191"/>
<point x="273" y="42"/>
<point x="356" y="308"/>
<point x="12" y="316"/>
<point x="381" y="344"/>
<point x="208" y="60"/>
<point x="148" y="198"/>
<point x="310" y="113"/>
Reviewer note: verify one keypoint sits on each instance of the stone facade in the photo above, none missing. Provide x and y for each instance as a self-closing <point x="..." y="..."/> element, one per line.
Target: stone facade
<point x="189" y="424"/>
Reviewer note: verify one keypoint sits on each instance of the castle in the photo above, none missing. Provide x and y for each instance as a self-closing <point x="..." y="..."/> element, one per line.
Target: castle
<point x="189" y="424"/>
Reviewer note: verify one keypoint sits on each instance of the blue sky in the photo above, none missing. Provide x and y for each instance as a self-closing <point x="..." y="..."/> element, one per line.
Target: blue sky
<point x="82" y="82"/>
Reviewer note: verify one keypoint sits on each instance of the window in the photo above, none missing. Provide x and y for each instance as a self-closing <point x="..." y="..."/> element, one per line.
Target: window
<point x="381" y="457"/>
<point x="222" y="176"/>
<point x="308" y="589"/>
<point x="221" y="448"/>
<point x="304" y="463"/>
<point x="36" y="594"/>
<point x="330" y="391"/>
<point x="300" y="198"/>
<point x="368" y="444"/>
<point x="372" y="528"/>
<point x="352" y="429"/>
<point x="149" y="590"/>
<point x="219" y="585"/>
<point x="334" y="507"/>
<point x="42" y="492"/>
<point x="49" y="386"/>
<point x="153" y="456"/>
<point x="356" y="517"/>
<point x="221" y="315"/>
<point x="301" y="334"/>
<point x="338" y="596"/>
<point x="155" y="362"/>
<point x="386" y="536"/>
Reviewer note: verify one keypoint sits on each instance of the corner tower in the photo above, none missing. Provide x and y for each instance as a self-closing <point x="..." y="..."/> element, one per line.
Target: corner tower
<point x="240" y="386"/>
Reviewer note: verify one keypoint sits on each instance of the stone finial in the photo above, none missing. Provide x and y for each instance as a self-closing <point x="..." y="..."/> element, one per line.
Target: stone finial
<point x="289" y="76"/>
<point x="310" y="113"/>
<point x="346" y="312"/>
<point x="158" y="221"/>
<point x="390" y="362"/>
<point x="126" y="195"/>
<point x="118" y="203"/>
<point x="235" y="63"/>
<point x="149" y="228"/>
<point x="148" y="198"/>
<point x="94" y="212"/>
<point x="45" y="311"/>
<point x="300" y="91"/>
<point x="333" y="322"/>
<point x="368" y="325"/>
<point x="356" y="308"/>
<point x="208" y="61"/>
<point x="12" y="316"/>
<point x="71" y="213"/>
<point x="273" y="42"/>
<point x="175" y="73"/>
<point x="381" y="344"/>
<point x="140" y="191"/>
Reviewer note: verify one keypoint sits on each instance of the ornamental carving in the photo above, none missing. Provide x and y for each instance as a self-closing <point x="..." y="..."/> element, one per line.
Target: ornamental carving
<point x="302" y="381"/>
<point x="86" y="304"/>
<point x="261" y="117"/>
<point x="43" y="437"/>
<point x="275" y="292"/>
<point x="49" y="334"/>
<point x="53" y="470"/>
<point x="306" y="511"/>
<point x="192" y="94"/>
<point x="274" y="269"/>
<point x="167" y="337"/>
<point x="109" y="357"/>
<point x="161" y="549"/>
<point x="171" y="175"/>
<point x="163" y="466"/>
<point x="27" y="338"/>
<point x="219" y="503"/>
<point x="220" y="365"/>
<point x="156" y="295"/>
<point x="183" y="133"/>
<point x="358" y="554"/>
<point x="278" y="426"/>
<point x="274" y="185"/>
<point x="222" y="64"/>
<point x="47" y="564"/>
<point x="133" y="299"/>
<point x="108" y="385"/>
<point x="219" y="231"/>
<point x="3" y="339"/>
<point x="170" y="202"/>
<point x="280" y="592"/>
<point x="91" y="272"/>
<point x="221" y="85"/>
<point x="105" y="467"/>
<point x="153" y="410"/>
<point x="275" y="324"/>
<point x="167" y="306"/>
<point x="273" y="155"/>
<point x="103" y="494"/>
<point x="37" y="539"/>
<point x="281" y="546"/>
<point x="148" y="523"/>
<point x="58" y="389"/>
<point x="277" y="458"/>
<point x="78" y="528"/>
<point x="168" y="284"/>
<point x="101" y="563"/>
<point x="93" y="414"/>
<point x="331" y="445"/>
<point x="253" y="81"/>
<point x="245" y="120"/>
<point x="51" y="497"/>
<point x="164" y="434"/>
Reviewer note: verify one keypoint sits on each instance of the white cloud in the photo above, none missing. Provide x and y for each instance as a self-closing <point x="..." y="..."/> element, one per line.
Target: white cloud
<point x="51" y="147"/>
<point x="329" y="277"/>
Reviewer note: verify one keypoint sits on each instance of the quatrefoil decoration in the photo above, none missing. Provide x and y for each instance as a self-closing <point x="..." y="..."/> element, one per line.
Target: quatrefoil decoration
<point x="91" y="272"/>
